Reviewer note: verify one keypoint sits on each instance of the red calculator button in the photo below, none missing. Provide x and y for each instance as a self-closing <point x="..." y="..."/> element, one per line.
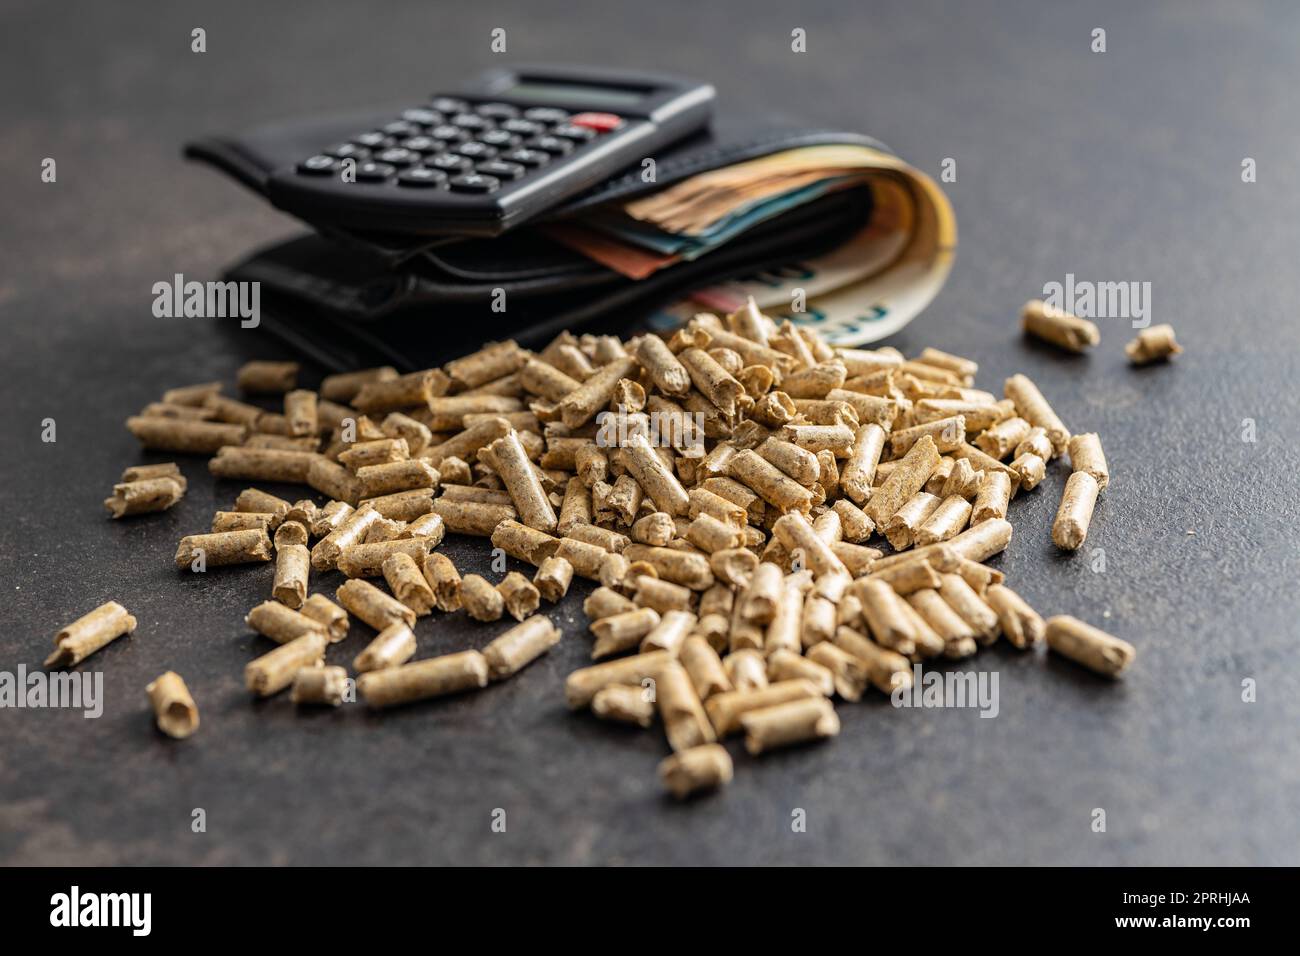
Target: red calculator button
<point x="600" y="122"/>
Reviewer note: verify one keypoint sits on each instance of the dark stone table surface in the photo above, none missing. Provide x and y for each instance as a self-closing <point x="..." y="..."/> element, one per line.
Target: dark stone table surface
<point x="1117" y="166"/>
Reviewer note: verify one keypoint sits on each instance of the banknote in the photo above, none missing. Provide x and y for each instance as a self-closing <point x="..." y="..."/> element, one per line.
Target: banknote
<point x="865" y="289"/>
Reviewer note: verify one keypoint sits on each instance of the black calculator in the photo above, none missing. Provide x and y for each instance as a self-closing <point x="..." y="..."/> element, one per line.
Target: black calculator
<point x="482" y="159"/>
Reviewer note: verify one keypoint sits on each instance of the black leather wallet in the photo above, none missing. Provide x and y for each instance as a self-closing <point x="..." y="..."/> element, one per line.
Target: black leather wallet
<point x="349" y="299"/>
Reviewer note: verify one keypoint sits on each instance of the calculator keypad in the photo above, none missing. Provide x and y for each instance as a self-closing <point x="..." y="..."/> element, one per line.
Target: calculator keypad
<point x="461" y="146"/>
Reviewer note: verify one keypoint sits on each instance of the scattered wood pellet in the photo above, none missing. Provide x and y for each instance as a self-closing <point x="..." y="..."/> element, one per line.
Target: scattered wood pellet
<point x="1152" y="345"/>
<point x="324" y="611"/>
<point x="705" y="767"/>
<point x="1070" y="528"/>
<point x="1086" y="455"/>
<point x="553" y="577"/>
<point x="322" y="685"/>
<point x="268" y="377"/>
<point x="292" y="566"/>
<point x="795" y="722"/>
<point x="1033" y="407"/>
<point x="626" y="703"/>
<point x="144" y="496"/>
<point x="1058" y="327"/>
<point x="1089" y="646"/>
<point x="392" y="646"/>
<point x="372" y="605"/>
<point x="445" y="581"/>
<point x="435" y="677"/>
<point x="89" y="633"/>
<point x="480" y="599"/>
<point x="189" y="437"/>
<point x="198" y="551"/>
<point x="519" y="595"/>
<point x="402" y="571"/>
<point x="173" y="707"/>
<point x="1020" y="623"/>
<point x="518" y="647"/>
<point x="274" y="671"/>
<point x="282" y="624"/>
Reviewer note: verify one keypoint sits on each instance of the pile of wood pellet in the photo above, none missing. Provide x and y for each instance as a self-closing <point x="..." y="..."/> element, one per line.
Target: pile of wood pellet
<point x="726" y="505"/>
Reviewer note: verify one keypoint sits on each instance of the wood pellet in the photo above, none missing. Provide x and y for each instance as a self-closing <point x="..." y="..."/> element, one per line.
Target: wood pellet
<point x="173" y="707"/>
<point x="736" y="583"/>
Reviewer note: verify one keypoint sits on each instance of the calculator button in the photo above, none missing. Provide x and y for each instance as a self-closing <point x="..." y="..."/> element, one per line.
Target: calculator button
<point x="398" y="156"/>
<point x="402" y="128"/>
<point x="422" y="176"/>
<point x="475" y="150"/>
<point x="424" y="144"/>
<point x="348" y="151"/>
<point x="497" y="111"/>
<point x="543" y="114"/>
<point x="470" y="121"/>
<point x="373" y="140"/>
<point x="499" y="138"/>
<point x="446" y="104"/>
<point x="600" y="122"/>
<point x="449" y="162"/>
<point x="551" y="144"/>
<point x="578" y="134"/>
<point x="423" y="117"/>
<point x="474" y="183"/>
<point x="374" y="172"/>
<point x="528" y="157"/>
<point x="318" y="165"/>
<point x="524" y="127"/>
<point x="501" y="170"/>
<point x="449" y="133"/>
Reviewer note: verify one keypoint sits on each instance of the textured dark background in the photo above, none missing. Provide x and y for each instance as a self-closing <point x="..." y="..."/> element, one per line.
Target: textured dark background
<point x="1116" y="166"/>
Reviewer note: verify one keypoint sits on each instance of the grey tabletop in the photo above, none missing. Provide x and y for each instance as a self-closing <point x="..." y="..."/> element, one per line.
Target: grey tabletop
<point x="1122" y="165"/>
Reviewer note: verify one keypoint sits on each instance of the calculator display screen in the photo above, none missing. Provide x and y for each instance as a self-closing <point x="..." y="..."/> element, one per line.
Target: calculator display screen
<point x="569" y="94"/>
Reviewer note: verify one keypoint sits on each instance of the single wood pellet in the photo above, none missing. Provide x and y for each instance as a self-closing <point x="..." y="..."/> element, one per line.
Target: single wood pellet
<point x="269" y="377"/>
<point x="1033" y="407"/>
<point x="444" y="580"/>
<point x="274" y="671"/>
<point x="324" y="611"/>
<point x="705" y="767"/>
<point x="326" y="686"/>
<point x="223" y="548"/>
<point x="373" y="606"/>
<point x="519" y="595"/>
<point x="350" y="530"/>
<point x="518" y="647"/>
<point x="392" y="646"/>
<point x="1086" y="455"/>
<point x="435" y="677"/>
<point x="144" y="496"/>
<point x="480" y="599"/>
<point x="367" y="560"/>
<point x="1070" y="528"/>
<point x="188" y="437"/>
<point x="407" y="582"/>
<point x="1058" y="327"/>
<point x="90" y="632"/>
<point x="625" y="703"/>
<point x="553" y="577"/>
<point x="282" y="624"/>
<point x="292" y="565"/>
<point x="1089" y="646"/>
<point x="1152" y="345"/>
<point x="173" y="707"/>
<point x="1020" y="623"/>
<point x="795" y="722"/>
